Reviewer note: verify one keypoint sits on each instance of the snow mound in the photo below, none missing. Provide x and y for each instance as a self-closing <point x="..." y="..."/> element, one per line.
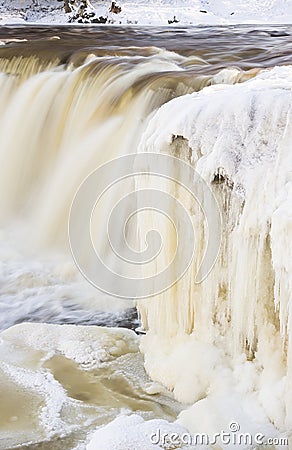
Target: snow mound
<point x="133" y="433"/>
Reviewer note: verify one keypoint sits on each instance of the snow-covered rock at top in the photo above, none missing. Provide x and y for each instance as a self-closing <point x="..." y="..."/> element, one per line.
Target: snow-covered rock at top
<point x="155" y="12"/>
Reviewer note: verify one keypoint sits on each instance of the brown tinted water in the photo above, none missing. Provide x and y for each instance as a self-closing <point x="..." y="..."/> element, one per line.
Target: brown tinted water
<point x="243" y="46"/>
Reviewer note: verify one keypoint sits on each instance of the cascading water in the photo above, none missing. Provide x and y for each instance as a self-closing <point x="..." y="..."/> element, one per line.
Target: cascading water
<point x="221" y="345"/>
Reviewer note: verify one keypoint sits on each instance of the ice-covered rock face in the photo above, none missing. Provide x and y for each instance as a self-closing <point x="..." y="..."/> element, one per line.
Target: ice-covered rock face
<point x="230" y="333"/>
<point x="60" y="382"/>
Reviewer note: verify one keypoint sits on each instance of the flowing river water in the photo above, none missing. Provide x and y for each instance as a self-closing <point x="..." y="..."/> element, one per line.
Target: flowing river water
<point x="73" y="98"/>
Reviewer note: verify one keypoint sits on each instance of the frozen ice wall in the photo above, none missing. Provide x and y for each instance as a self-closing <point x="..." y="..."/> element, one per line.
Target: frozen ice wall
<point x="225" y="344"/>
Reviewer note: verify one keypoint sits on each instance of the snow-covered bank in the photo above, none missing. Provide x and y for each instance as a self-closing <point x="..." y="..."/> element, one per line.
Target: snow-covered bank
<point x="155" y="12"/>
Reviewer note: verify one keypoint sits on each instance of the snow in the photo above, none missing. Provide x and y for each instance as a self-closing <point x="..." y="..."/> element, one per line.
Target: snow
<point x="132" y="432"/>
<point x="193" y="12"/>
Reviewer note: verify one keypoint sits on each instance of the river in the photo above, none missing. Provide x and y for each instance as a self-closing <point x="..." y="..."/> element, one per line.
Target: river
<point x="74" y="98"/>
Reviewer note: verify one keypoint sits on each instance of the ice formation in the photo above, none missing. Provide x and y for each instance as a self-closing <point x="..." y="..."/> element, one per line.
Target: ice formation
<point x="225" y="344"/>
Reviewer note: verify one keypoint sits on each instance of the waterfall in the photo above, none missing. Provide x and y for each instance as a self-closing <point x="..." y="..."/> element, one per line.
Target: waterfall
<point x="60" y="124"/>
<point x="60" y="121"/>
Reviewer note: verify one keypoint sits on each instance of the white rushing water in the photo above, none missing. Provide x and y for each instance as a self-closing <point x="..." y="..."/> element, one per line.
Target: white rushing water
<point x="222" y="346"/>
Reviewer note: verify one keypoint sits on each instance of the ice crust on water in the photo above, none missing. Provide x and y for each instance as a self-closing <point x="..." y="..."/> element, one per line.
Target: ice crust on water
<point x="225" y="345"/>
<point x="63" y="380"/>
<point x="26" y="351"/>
